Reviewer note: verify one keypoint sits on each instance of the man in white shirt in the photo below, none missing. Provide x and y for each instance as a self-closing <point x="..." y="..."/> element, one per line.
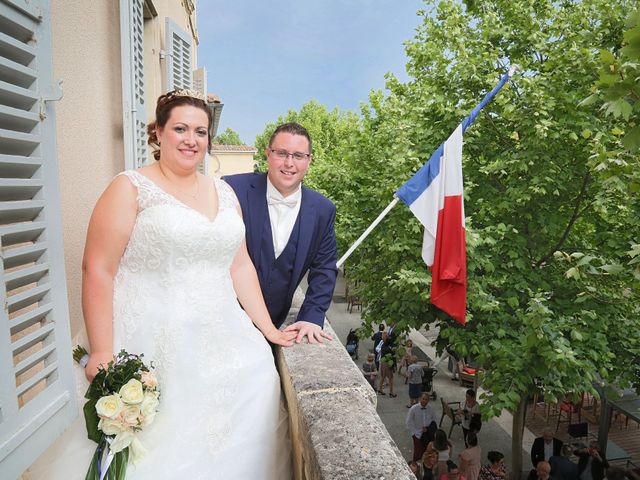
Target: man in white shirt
<point x="422" y="424"/>
<point x="289" y="232"/>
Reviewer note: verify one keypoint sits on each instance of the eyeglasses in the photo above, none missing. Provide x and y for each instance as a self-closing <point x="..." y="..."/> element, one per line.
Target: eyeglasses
<point x="283" y="154"/>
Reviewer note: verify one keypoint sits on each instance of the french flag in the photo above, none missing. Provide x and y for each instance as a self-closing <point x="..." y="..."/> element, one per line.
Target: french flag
<point x="435" y="196"/>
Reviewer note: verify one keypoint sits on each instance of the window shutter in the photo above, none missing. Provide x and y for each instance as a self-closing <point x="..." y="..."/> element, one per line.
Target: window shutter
<point x="133" y="85"/>
<point x="179" y="59"/>
<point x="37" y="391"/>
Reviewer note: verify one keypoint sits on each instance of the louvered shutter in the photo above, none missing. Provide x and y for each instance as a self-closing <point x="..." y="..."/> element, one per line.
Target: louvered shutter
<point x="37" y="399"/>
<point x="179" y="58"/>
<point x="133" y="86"/>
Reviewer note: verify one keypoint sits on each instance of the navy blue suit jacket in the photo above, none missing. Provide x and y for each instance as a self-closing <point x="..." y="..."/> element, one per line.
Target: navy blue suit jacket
<point x="316" y="252"/>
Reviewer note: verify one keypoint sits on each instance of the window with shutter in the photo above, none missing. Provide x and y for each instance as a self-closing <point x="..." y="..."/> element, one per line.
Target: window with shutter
<point x="179" y="59"/>
<point x="37" y="392"/>
<point x="133" y="85"/>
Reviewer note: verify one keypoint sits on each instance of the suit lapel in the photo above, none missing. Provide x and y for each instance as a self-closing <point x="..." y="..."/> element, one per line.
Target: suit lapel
<point x="258" y="213"/>
<point x="307" y="222"/>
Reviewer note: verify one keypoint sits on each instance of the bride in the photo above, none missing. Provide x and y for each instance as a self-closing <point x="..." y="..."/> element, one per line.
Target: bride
<point x="164" y="267"/>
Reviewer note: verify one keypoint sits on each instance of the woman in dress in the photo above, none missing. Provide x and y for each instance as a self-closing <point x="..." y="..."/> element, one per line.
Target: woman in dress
<point x="404" y="361"/>
<point x="164" y="267"/>
<point x="470" y="458"/>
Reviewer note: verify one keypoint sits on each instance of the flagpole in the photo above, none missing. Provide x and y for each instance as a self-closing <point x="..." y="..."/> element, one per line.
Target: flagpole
<point x="367" y="232"/>
<point x="466" y="122"/>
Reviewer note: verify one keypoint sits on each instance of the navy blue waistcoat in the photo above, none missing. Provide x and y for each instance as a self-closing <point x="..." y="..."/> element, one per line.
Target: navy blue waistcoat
<point x="275" y="279"/>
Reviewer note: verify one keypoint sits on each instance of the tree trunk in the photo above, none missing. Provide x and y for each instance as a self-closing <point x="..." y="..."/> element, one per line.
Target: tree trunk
<point x="517" y="429"/>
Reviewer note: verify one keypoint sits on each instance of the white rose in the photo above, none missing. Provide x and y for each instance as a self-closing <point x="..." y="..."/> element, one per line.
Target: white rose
<point x="149" y="404"/>
<point x="149" y="380"/>
<point x="109" y="406"/>
<point x="122" y="441"/>
<point x="131" y="392"/>
<point x="110" y="426"/>
<point x="130" y="415"/>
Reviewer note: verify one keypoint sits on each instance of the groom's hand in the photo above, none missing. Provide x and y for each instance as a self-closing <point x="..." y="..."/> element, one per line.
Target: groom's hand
<point x="313" y="332"/>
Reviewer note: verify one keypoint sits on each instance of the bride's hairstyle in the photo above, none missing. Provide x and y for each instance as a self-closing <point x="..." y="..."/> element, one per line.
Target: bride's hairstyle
<point x="166" y="103"/>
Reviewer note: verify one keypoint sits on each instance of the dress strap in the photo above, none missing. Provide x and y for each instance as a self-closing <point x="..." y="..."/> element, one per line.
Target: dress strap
<point x="226" y="195"/>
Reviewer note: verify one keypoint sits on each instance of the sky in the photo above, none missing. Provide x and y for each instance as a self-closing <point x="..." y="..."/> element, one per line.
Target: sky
<point x="266" y="57"/>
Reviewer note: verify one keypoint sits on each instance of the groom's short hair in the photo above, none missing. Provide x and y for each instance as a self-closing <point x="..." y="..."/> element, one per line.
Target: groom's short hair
<point x="294" y="129"/>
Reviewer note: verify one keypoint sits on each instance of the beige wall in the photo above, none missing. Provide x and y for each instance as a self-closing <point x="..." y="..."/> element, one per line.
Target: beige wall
<point x="86" y="56"/>
<point x="231" y="163"/>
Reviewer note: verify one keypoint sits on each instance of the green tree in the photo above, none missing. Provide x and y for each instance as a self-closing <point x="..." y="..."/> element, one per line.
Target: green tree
<point x="228" y="137"/>
<point x="553" y="301"/>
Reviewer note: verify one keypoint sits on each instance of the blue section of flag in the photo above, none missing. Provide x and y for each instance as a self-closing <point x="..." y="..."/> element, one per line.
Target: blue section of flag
<point x="422" y="179"/>
<point x="417" y="184"/>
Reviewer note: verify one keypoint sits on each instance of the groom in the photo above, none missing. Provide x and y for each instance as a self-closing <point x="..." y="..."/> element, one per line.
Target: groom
<point x="289" y="232"/>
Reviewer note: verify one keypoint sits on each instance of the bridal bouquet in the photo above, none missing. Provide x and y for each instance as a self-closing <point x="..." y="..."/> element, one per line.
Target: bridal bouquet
<point x="121" y="400"/>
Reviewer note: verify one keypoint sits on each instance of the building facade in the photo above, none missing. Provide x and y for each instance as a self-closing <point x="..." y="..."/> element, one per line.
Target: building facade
<point x="78" y="83"/>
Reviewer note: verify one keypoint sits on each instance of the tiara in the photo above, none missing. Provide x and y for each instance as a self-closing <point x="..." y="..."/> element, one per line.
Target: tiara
<point x="183" y="92"/>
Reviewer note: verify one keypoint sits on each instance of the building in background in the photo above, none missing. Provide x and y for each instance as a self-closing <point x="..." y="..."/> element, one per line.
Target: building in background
<point x="232" y="159"/>
<point x="78" y="84"/>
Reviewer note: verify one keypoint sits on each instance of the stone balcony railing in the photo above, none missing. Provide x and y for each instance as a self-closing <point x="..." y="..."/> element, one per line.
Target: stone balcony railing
<point x="335" y="430"/>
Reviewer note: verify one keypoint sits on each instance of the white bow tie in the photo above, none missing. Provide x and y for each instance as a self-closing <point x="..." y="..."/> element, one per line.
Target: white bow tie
<point x="290" y="202"/>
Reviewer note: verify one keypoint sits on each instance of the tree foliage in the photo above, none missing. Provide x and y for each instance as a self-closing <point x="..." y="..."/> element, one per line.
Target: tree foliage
<point x="228" y="137"/>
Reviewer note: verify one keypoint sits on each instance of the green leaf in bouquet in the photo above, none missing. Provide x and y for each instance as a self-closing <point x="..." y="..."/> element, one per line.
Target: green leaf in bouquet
<point x="92" y="472"/>
<point x="118" y="468"/>
<point x="91" y="420"/>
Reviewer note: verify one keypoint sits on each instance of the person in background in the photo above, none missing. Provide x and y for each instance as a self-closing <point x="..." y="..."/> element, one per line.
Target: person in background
<point x="445" y="452"/>
<point x="495" y="469"/>
<point x="414" y="374"/>
<point x="470" y="412"/>
<point x="545" y="447"/>
<point x="370" y="371"/>
<point x="562" y="468"/>
<point x="387" y="365"/>
<point x="404" y="361"/>
<point x="453" y="472"/>
<point x="591" y="463"/>
<point x="422" y="424"/>
<point x="470" y="458"/>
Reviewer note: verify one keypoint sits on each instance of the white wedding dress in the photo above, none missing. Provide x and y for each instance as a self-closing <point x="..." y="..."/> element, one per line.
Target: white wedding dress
<point x="221" y="415"/>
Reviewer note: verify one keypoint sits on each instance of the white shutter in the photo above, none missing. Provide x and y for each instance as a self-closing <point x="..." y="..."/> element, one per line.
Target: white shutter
<point x="37" y="392"/>
<point x="133" y="86"/>
<point x="179" y="58"/>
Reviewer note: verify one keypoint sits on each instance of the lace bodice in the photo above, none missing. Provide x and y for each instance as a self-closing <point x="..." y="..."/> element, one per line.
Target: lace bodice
<point x="170" y="235"/>
<point x="176" y="257"/>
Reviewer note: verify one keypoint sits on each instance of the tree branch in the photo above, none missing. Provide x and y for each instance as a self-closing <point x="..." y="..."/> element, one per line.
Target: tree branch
<point x="576" y="213"/>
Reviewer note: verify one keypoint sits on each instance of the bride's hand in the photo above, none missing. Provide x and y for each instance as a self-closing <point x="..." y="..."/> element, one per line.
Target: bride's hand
<point x="95" y="360"/>
<point x="280" y="337"/>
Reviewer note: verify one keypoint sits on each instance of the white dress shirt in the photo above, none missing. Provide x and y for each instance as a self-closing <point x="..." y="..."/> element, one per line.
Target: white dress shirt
<point x="419" y="417"/>
<point x="548" y="450"/>
<point x="283" y="212"/>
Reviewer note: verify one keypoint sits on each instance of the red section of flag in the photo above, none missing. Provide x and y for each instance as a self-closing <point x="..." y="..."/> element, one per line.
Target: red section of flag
<point x="449" y="269"/>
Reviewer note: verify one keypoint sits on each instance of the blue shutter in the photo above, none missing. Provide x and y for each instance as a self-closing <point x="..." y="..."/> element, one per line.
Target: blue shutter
<point x="37" y="392"/>
<point x="133" y="84"/>
<point x="179" y="57"/>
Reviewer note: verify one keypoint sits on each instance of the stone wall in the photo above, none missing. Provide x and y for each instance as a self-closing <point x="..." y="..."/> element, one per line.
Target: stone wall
<point x="335" y="430"/>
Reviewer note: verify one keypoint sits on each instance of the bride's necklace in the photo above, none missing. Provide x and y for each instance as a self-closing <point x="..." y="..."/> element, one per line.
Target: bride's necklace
<point x="193" y="196"/>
